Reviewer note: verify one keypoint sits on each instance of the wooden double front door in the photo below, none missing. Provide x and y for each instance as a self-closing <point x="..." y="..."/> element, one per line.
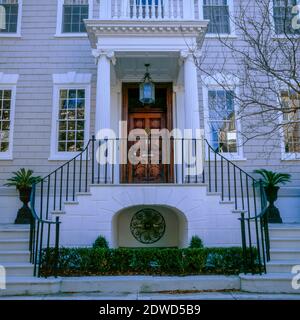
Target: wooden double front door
<point x="151" y="119"/>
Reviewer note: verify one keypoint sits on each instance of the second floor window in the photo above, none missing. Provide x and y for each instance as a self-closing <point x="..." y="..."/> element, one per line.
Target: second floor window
<point x="74" y="12"/>
<point x="283" y="16"/>
<point x="291" y="122"/>
<point x="10" y="10"/>
<point x="217" y="11"/>
<point x="222" y="121"/>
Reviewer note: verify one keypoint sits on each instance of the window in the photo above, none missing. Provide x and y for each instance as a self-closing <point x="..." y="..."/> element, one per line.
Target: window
<point x="71" y="120"/>
<point x="5" y="119"/>
<point x="8" y="85"/>
<point x="71" y="112"/>
<point x="283" y="16"/>
<point x="71" y="15"/>
<point x="74" y="12"/>
<point x="10" y="17"/>
<point x="217" y="11"/>
<point x="291" y="122"/>
<point x="222" y="121"/>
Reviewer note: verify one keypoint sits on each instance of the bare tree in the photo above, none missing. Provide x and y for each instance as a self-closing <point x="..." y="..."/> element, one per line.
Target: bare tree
<point x="266" y="54"/>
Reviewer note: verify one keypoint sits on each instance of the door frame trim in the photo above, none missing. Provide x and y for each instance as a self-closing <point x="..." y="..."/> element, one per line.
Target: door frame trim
<point x="169" y="115"/>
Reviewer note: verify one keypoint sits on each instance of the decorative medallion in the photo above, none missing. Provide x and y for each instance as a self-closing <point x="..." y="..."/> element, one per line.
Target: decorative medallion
<point x="148" y="226"/>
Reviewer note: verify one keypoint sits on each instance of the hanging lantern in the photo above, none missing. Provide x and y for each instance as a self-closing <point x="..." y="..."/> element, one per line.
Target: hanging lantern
<point x="147" y="88"/>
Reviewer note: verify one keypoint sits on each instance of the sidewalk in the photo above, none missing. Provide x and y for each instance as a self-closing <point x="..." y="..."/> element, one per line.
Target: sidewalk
<point x="157" y="296"/>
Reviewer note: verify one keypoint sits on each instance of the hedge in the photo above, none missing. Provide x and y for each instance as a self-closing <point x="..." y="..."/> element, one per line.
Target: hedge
<point x="101" y="261"/>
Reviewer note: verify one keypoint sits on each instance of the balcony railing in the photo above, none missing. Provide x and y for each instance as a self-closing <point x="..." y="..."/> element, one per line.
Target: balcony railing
<point x="148" y="9"/>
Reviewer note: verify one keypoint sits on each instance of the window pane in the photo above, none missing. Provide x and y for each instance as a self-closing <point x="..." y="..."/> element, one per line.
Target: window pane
<point x="283" y="16"/>
<point x="71" y="120"/>
<point x="222" y="122"/>
<point x="5" y="106"/>
<point x="217" y="11"/>
<point x="291" y="119"/>
<point x="73" y="16"/>
<point x="11" y="8"/>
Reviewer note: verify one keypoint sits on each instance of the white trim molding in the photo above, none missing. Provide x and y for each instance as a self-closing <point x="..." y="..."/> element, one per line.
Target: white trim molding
<point x="19" y="24"/>
<point x="59" y="20"/>
<point x="232" y="33"/>
<point x="9" y="82"/>
<point x="67" y="81"/>
<point x="215" y="83"/>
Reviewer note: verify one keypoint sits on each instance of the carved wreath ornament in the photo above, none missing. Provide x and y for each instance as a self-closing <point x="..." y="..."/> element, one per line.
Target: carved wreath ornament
<point x="148" y="226"/>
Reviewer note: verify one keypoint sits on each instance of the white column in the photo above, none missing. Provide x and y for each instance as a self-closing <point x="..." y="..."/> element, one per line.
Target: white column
<point x="191" y="97"/>
<point x="103" y="95"/>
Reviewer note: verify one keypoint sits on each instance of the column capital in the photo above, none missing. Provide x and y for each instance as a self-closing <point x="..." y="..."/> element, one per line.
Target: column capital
<point x="109" y="54"/>
<point x="188" y="55"/>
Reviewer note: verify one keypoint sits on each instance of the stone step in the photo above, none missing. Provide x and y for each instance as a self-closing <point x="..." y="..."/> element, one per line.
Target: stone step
<point x="14" y="256"/>
<point x="117" y="284"/>
<point x="12" y="231"/>
<point x="284" y="230"/>
<point x="14" y="244"/>
<point x="16" y="286"/>
<point x="285" y="243"/>
<point x="269" y="283"/>
<point x="281" y="266"/>
<point x="285" y="254"/>
<point x="121" y="284"/>
<point x="18" y="269"/>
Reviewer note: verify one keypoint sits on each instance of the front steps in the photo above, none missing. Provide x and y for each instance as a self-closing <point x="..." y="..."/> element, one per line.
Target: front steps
<point x="285" y="254"/>
<point x="14" y="250"/>
<point x="14" y="256"/>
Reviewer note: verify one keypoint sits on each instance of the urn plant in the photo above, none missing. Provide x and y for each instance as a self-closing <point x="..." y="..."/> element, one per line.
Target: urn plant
<point x="271" y="181"/>
<point x="23" y="180"/>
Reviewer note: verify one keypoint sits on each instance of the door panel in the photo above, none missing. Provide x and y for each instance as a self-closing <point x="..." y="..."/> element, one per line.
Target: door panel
<point x="150" y="169"/>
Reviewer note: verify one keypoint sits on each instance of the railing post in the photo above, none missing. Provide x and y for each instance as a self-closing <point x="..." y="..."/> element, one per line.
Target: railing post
<point x="244" y="245"/>
<point x="56" y="246"/>
<point x="105" y="10"/>
<point x="188" y="10"/>
<point x="93" y="159"/>
<point x="32" y="222"/>
<point x="265" y="219"/>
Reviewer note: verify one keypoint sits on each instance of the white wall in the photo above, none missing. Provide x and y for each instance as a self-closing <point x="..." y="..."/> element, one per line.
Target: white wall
<point x="95" y="214"/>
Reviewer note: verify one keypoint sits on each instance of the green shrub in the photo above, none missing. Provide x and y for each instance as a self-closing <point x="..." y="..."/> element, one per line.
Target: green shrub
<point x="141" y="261"/>
<point x="196" y="243"/>
<point x="100" y="242"/>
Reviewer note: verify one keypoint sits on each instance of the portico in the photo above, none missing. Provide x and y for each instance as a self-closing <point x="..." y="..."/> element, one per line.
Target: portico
<point x="122" y="48"/>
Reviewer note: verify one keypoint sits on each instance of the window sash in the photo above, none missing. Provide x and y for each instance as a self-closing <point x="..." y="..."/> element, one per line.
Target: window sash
<point x="73" y="16"/>
<point x="217" y="11"/>
<point x="222" y="121"/>
<point x="282" y="12"/>
<point x="5" y="119"/>
<point x="11" y="8"/>
<point x="71" y="123"/>
<point x="291" y="122"/>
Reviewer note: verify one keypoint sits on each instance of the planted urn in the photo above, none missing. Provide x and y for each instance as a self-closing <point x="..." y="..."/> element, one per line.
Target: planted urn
<point x="23" y="181"/>
<point x="271" y="181"/>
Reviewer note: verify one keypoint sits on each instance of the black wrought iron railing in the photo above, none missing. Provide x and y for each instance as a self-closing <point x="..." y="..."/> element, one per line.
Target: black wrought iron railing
<point x="105" y="162"/>
<point x="248" y="196"/>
